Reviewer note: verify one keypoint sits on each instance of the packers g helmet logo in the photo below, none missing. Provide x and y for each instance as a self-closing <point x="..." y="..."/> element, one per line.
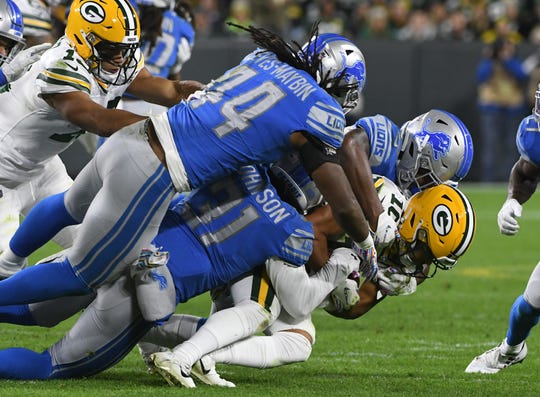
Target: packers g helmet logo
<point x="442" y="220"/>
<point x="92" y="12"/>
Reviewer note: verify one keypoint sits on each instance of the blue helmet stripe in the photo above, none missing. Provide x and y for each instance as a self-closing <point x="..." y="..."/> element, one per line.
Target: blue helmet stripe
<point x="468" y="150"/>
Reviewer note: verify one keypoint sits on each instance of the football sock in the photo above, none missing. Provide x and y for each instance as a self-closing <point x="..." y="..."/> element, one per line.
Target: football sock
<point x="523" y="317"/>
<point x="221" y="329"/>
<point x="41" y="282"/>
<point x="19" y="363"/>
<point x="265" y="351"/>
<point x="42" y="223"/>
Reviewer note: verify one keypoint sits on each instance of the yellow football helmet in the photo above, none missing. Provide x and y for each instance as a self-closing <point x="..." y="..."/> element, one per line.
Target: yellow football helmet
<point x="440" y="220"/>
<point x="99" y="30"/>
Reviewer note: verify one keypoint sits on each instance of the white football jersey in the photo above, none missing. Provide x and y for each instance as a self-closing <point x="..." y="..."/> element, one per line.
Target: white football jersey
<point x="31" y="131"/>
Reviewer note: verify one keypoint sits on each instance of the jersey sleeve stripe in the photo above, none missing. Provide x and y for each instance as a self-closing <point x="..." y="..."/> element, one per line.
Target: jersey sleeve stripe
<point x="64" y="77"/>
<point x="36" y="23"/>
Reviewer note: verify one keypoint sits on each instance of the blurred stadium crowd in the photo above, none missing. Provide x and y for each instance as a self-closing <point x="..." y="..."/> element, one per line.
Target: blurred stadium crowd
<point x="416" y="20"/>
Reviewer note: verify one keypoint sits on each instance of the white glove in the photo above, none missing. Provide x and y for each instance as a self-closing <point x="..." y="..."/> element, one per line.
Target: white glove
<point x="22" y="60"/>
<point x="387" y="230"/>
<point x="343" y="297"/>
<point x="506" y="218"/>
<point x="368" y="257"/>
<point x="393" y="283"/>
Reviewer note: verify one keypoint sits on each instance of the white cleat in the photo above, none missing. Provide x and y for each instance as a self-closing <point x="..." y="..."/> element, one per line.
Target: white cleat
<point x="171" y="369"/>
<point x="205" y="370"/>
<point x="492" y="361"/>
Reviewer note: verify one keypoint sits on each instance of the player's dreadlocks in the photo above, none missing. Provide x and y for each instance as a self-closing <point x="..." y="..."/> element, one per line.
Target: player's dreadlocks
<point x="292" y="54"/>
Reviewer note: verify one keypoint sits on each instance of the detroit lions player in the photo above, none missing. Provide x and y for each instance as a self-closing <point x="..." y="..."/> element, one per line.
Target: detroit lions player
<point x="525" y="311"/>
<point x="73" y="88"/>
<point x="202" y="234"/>
<point x="432" y="148"/>
<point x="275" y="101"/>
<point x="292" y="335"/>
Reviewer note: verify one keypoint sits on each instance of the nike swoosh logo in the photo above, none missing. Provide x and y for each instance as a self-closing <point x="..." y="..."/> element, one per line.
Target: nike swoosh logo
<point x="74" y="67"/>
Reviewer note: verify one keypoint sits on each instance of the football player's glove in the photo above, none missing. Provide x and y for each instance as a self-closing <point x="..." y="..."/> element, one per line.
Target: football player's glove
<point x="14" y="69"/>
<point x="506" y="218"/>
<point x="391" y="282"/>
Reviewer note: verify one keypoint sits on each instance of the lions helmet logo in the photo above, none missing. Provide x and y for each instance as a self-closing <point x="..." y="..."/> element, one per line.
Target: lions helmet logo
<point x="439" y="141"/>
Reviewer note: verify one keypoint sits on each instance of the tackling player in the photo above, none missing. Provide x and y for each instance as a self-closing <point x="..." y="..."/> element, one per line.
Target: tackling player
<point x="525" y="311"/>
<point x="275" y="101"/>
<point x="422" y="244"/>
<point x="202" y="234"/>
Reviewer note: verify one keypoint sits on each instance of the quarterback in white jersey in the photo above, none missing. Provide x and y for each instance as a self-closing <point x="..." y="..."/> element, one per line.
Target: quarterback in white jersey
<point x="290" y="337"/>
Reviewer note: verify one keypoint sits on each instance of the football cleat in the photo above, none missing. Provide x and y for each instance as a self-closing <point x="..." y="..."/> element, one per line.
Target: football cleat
<point x="205" y="370"/>
<point x="492" y="361"/>
<point x="166" y="364"/>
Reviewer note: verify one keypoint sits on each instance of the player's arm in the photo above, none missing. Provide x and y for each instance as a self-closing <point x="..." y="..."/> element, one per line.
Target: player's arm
<point x="78" y="108"/>
<point x="523" y="180"/>
<point x="333" y="184"/>
<point x="161" y="91"/>
<point x="354" y="157"/>
<point x="324" y="226"/>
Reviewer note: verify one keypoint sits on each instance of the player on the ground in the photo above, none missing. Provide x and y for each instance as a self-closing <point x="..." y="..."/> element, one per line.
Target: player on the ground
<point x="428" y="239"/>
<point x="277" y="100"/>
<point x="525" y="311"/>
<point x="201" y="234"/>
<point x="73" y="88"/>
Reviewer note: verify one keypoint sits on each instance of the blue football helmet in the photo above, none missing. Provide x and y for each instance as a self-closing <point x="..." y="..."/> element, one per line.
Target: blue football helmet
<point x="342" y="68"/>
<point x="528" y="138"/>
<point x="437" y="147"/>
<point x="11" y="28"/>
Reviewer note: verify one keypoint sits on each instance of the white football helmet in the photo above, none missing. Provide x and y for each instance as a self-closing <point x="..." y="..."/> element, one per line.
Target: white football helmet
<point x="437" y="147"/>
<point x="342" y="68"/>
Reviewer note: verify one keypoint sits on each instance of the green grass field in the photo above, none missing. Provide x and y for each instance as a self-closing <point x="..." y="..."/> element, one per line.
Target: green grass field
<point x="415" y="345"/>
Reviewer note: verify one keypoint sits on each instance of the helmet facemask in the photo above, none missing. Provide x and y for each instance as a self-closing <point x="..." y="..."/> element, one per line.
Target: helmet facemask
<point x="103" y="58"/>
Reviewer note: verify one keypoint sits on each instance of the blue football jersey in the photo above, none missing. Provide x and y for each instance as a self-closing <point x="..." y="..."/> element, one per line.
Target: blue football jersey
<point x="384" y="144"/>
<point x="164" y="56"/>
<point x="227" y="228"/>
<point x="528" y="140"/>
<point x="247" y="116"/>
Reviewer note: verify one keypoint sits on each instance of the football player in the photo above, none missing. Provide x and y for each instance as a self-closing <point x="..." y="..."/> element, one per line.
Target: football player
<point x="202" y="234"/>
<point x="275" y="101"/>
<point x="432" y="148"/>
<point x="436" y="228"/>
<point x="73" y="88"/>
<point x="525" y="311"/>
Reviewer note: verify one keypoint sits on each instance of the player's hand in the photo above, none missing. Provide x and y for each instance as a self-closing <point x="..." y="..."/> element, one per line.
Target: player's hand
<point x="14" y="69"/>
<point x="393" y="283"/>
<point x="368" y="257"/>
<point x="506" y="217"/>
<point x="387" y="230"/>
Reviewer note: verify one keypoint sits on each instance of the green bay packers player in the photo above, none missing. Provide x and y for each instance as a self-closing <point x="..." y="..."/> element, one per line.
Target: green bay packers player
<point x="436" y="228"/>
<point x="71" y="90"/>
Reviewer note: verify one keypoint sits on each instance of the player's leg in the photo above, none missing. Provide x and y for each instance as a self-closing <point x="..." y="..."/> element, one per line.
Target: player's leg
<point x="122" y="218"/>
<point x="524" y="315"/>
<point x="254" y="308"/>
<point x="289" y="341"/>
<point x="104" y="333"/>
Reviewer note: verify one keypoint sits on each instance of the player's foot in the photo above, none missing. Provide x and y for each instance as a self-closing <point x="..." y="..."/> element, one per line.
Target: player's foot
<point x="8" y="268"/>
<point x="146" y="350"/>
<point x="171" y="369"/>
<point x="205" y="370"/>
<point x="492" y="361"/>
